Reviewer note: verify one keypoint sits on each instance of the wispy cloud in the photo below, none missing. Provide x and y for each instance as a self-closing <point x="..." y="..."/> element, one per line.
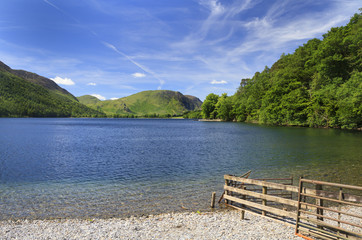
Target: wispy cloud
<point x="138" y="75"/>
<point x="227" y="42"/>
<point x="218" y="27"/>
<point x="100" y="97"/>
<point x="218" y="82"/>
<point x="197" y="46"/>
<point x="63" y="81"/>
<point x="111" y="46"/>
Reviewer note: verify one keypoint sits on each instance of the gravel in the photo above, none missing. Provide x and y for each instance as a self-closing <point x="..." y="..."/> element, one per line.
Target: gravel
<point x="189" y="225"/>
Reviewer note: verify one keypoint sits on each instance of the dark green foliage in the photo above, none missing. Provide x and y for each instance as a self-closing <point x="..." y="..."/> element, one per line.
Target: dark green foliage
<point x="319" y="85"/>
<point x="224" y="108"/>
<point x="21" y="98"/>
<point x="349" y="102"/>
<point x="209" y="106"/>
<point x="193" y="115"/>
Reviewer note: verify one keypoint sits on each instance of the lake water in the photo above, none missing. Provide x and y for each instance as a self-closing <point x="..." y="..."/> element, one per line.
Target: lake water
<point x="89" y="168"/>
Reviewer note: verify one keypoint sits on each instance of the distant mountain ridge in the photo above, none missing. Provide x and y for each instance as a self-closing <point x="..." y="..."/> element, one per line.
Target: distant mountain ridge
<point x="36" y="79"/>
<point x="26" y="94"/>
<point x="159" y="102"/>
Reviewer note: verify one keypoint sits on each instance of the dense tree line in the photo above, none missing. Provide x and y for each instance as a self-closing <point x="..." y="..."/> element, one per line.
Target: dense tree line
<point x="319" y="85"/>
<point x="197" y="114"/>
<point x="147" y="115"/>
<point x="20" y="98"/>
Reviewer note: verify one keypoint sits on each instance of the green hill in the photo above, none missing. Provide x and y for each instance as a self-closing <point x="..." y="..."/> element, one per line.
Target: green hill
<point x="22" y="98"/>
<point x="158" y="102"/>
<point x="38" y="80"/>
<point x="88" y="100"/>
<point x="319" y="85"/>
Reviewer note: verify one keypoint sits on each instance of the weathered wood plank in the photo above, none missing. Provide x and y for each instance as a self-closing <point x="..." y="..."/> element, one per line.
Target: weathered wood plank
<point x="332" y="200"/>
<point x="321" y="223"/>
<point x="330" y="218"/>
<point x="347" y="196"/>
<point x="312" y="206"/>
<point x="265" y="208"/>
<point x="264" y="201"/>
<point x="320" y="193"/>
<point x="262" y="196"/>
<point x="266" y="217"/>
<point x="307" y="228"/>
<point x="263" y="183"/>
<point x="332" y="184"/>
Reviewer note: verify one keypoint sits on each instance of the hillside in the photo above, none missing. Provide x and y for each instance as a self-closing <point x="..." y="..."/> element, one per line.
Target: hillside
<point x="158" y="102"/>
<point x="319" y="85"/>
<point x="22" y="98"/>
<point x="88" y="100"/>
<point x="39" y="80"/>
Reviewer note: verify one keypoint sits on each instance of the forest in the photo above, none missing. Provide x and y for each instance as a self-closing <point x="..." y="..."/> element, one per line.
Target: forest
<point x="319" y="85"/>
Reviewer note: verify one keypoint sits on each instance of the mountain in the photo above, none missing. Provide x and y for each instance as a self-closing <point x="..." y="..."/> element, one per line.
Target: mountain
<point x="88" y="100"/>
<point x="157" y="102"/>
<point x="39" y="80"/>
<point x="25" y="94"/>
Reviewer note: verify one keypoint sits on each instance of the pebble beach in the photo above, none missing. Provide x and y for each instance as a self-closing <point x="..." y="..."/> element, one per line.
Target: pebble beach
<point x="188" y="225"/>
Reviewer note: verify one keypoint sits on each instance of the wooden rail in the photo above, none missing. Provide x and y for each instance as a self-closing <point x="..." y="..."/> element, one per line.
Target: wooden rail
<point x="261" y="196"/>
<point x="321" y="223"/>
<point x="309" y="213"/>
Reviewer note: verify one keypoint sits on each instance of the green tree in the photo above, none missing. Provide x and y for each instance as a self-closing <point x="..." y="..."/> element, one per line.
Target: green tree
<point x="224" y="108"/>
<point x="209" y="106"/>
<point x="349" y="101"/>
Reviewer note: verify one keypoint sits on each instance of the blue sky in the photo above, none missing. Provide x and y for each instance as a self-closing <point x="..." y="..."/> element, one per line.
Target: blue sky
<point x="115" y="48"/>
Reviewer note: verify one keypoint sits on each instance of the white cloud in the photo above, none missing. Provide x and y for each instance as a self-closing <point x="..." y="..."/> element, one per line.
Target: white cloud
<point x="100" y="97"/>
<point x="138" y="75"/>
<point x="114" y="98"/>
<point x="218" y="82"/>
<point x="213" y="5"/>
<point x="63" y="81"/>
<point x="92" y="84"/>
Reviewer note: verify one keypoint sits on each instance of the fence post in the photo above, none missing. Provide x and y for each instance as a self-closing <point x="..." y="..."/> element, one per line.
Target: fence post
<point x="340" y="197"/>
<point x="226" y="192"/>
<point x="265" y="191"/>
<point x="242" y="214"/>
<point x="213" y="199"/>
<point x="299" y="206"/>
<point x="319" y="202"/>
<point x="291" y="183"/>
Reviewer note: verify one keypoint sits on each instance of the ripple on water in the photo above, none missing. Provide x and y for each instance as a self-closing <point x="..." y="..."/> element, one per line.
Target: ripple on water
<point x="83" y="168"/>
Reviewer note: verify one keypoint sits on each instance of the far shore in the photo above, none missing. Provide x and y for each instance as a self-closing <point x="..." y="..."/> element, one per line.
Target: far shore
<point x="210" y="120"/>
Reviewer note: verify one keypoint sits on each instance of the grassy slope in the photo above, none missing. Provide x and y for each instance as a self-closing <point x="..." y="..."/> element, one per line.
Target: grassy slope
<point x="88" y="100"/>
<point x="21" y="98"/>
<point x="38" y="80"/>
<point x="149" y="102"/>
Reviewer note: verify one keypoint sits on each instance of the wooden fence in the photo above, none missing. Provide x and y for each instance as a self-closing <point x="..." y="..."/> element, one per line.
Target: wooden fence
<point x="329" y="221"/>
<point x="280" y="200"/>
<point x="262" y="197"/>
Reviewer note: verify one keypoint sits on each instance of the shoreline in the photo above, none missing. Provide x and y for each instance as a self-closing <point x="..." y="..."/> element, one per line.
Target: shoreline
<point x="221" y="224"/>
<point x="224" y="224"/>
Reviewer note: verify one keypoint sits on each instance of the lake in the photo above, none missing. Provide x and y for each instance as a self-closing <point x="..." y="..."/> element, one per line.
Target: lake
<point x="100" y="168"/>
